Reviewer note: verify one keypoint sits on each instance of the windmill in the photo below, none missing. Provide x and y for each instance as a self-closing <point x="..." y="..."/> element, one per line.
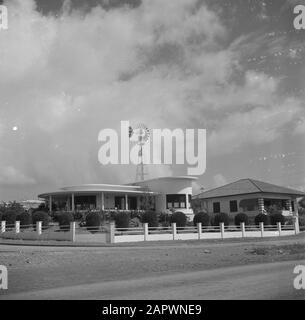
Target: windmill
<point x="141" y="133"/>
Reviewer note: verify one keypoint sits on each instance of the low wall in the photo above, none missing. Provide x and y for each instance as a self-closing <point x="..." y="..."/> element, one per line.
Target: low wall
<point x="37" y="232"/>
<point x="95" y="237"/>
<point x="110" y="234"/>
<point x="189" y="233"/>
<point x="32" y="235"/>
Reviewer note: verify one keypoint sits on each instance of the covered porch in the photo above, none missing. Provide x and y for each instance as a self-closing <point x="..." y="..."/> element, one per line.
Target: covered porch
<point x="267" y="204"/>
<point x="104" y="201"/>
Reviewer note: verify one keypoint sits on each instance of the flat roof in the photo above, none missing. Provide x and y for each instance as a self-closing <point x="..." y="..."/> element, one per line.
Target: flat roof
<point x="130" y="188"/>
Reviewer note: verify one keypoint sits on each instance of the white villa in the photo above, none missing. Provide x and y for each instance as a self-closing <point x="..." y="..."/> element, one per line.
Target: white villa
<point x="165" y="193"/>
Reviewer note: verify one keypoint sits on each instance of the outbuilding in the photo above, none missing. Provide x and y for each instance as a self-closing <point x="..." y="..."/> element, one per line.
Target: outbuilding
<point x="251" y="197"/>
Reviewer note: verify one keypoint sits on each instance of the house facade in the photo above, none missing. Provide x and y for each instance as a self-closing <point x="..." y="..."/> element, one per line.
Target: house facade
<point x="251" y="197"/>
<point x="164" y="194"/>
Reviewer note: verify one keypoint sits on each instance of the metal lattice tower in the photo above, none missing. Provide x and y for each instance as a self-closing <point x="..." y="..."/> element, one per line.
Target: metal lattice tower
<point x="142" y="135"/>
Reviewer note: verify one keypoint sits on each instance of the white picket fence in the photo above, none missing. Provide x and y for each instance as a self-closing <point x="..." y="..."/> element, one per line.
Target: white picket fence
<point x="111" y="234"/>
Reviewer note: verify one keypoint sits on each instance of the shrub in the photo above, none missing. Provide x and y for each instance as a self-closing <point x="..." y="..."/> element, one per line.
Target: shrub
<point x="262" y="218"/>
<point x="221" y="218"/>
<point x="78" y="216"/>
<point x="122" y="220"/>
<point x="93" y="221"/>
<point x="151" y="218"/>
<point x="64" y="219"/>
<point x="277" y="217"/>
<point x="241" y="217"/>
<point x="179" y="218"/>
<point x="25" y="220"/>
<point x="202" y="217"/>
<point x="10" y="217"/>
<point x="40" y="216"/>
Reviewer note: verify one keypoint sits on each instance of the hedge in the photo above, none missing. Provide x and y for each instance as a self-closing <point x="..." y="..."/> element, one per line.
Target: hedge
<point x="40" y="216"/>
<point x="221" y="217"/>
<point x="93" y="221"/>
<point x="122" y="220"/>
<point x="9" y="217"/>
<point x="179" y="218"/>
<point x="202" y="217"/>
<point x="277" y="217"/>
<point x="151" y="218"/>
<point x="262" y="218"/>
<point x="241" y="217"/>
<point x="64" y="219"/>
<point x="25" y="220"/>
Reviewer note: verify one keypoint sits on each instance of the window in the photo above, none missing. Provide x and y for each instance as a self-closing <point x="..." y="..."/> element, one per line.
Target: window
<point x="216" y="207"/>
<point x="119" y="202"/>
<point x="292" y="205"/>
<point x="85" y="202"/>
<point x="175" y="201"/>
<point x="233" y="206"/>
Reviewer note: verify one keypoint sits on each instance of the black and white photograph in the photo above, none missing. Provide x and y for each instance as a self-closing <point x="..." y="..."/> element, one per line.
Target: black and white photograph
<point x="152" y="152"/>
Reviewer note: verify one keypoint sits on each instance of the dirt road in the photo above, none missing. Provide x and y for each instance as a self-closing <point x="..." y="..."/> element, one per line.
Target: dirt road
<point x="222" y="270"/>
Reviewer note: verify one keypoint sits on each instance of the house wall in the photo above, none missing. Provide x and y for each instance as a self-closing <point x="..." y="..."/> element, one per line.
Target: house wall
<point x="170" y="186"/>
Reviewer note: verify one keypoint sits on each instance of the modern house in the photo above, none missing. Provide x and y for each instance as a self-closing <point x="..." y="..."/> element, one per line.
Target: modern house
<point x="163" y="194"/>
<point x="251" y="197"/>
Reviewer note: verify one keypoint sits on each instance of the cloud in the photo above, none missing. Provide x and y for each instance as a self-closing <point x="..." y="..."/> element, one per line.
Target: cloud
<point x="219" y="180"/>
<point x="11" y="176"/>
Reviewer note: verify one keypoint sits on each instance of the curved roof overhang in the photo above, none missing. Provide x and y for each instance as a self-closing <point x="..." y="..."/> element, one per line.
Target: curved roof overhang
<point x="94" y="192"/>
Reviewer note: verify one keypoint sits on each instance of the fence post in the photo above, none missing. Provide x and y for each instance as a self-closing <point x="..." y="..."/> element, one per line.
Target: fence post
<point x="296" y="225"/>
<point x="145" y="231"/>
<point x="279" y="228"/>
<point x="261" y="226"/>
<point x="199" y="230"/>
<point x="111" y="234"/>
<point x="39" y="227"/>
<point x="72" y="231"/>
<point x="174" y="230"/>
<point x="3" y="226"/>
<point x="243" y="230"/>
<point x="17" y="226"/>
<point x="222" y="229"/>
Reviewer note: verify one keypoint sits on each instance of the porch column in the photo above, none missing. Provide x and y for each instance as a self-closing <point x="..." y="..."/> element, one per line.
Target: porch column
<point x="289" y="206"/>
<point x="138" y="203"/>
<point x="72" y="203"/>
<point x="295" y="204"/>
<point x="103" y="201"/>
<point x="68" y="204"/>
<point x="50" y="204"/>
<point x="187" y="201"/>
<point x="126" y="202"/>
<point x="261" y="206"/>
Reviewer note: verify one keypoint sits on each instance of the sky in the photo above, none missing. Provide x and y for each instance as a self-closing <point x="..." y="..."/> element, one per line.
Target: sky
<point x="69" y="69"/>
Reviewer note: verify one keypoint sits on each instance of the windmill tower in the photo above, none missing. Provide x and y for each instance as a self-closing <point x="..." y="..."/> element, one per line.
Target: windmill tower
<point x="141" y="133"/>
